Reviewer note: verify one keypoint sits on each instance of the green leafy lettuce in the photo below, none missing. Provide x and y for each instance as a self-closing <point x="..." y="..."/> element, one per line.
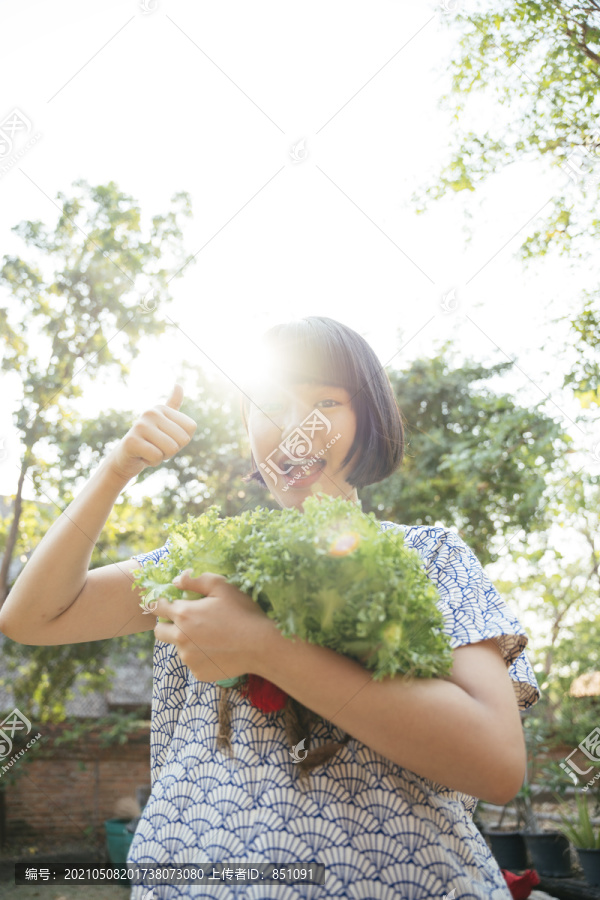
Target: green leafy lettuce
<point x="327" y="575"/>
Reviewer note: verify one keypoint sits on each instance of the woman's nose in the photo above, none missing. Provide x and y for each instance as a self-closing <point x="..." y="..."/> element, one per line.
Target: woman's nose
<point x="292" y="418"/>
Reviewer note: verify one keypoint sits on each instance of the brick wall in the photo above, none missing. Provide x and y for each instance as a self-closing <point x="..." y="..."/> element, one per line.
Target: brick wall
<point x="61" y="791"/>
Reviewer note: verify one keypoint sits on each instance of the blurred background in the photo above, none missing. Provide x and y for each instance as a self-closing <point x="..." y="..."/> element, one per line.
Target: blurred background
<point x="175" y="179"/>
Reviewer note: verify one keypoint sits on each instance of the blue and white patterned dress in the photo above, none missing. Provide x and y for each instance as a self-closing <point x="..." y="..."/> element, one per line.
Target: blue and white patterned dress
<point x="381" y="831"/>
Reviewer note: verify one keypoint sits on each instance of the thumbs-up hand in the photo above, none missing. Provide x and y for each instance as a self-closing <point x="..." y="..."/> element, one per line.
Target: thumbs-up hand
<point x="157" y="435"/>
<point x="175" y="398"/>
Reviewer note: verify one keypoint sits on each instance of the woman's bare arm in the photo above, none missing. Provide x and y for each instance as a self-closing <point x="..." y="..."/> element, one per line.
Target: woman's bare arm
<point x="55" y="599"/>
<point x="462" y="731"/>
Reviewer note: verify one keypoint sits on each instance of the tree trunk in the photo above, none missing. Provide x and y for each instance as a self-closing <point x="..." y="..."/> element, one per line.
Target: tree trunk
<point x="12" y="534"/>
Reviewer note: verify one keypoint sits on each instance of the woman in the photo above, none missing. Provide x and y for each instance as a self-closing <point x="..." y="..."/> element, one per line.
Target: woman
<point x="388" y="810"/>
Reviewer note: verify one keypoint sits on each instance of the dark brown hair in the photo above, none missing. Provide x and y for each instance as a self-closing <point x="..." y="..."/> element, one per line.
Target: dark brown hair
<point x="320" y="349"/>
<point x="297" y="721"/>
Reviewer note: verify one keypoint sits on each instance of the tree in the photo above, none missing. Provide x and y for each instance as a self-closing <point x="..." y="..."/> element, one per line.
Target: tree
<point x="559" y="581"/>
<point x="584" y="376"/>
<point x="208" y="471"/>
<point x="475" y="459"/>
<point x="86" y="315"/>
<point x="42" y="678"/>
<point x="539" y="61"/>
<point x="538" y="66"/>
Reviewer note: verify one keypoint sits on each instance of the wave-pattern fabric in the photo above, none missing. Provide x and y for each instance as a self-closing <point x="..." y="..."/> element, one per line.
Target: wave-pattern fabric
<point x="381" y="831"/>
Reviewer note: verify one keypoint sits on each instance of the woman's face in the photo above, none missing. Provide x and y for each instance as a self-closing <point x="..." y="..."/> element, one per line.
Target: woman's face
<point x="300" y="434"/>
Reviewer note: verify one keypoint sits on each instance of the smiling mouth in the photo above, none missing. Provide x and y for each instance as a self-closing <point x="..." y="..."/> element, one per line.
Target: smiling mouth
<point x="306" y="466"/>
<point x="304" y="460"/>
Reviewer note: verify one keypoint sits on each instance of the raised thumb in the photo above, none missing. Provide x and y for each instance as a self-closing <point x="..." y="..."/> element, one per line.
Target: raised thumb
<point x="176" y="397"/>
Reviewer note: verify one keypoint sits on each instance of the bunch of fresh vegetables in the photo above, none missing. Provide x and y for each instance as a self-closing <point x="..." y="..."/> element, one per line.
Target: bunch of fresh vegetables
<point x="328" y="575"/>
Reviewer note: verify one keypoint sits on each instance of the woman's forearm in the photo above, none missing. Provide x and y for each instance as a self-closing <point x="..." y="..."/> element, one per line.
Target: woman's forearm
<point x="56" y="572"/>
<point x="430" y="726"/>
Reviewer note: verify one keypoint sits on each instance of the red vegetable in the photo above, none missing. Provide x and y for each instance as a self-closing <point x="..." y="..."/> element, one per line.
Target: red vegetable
<point x="263" y="694"/>
<point x="520" y="885"/>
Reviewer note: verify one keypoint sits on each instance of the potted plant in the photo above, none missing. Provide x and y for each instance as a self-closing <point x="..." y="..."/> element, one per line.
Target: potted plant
<point x="585" y="839"/>
<point x="118" y="835"/>
<point x="508" y="847"/>
<point x="549" y="851"/>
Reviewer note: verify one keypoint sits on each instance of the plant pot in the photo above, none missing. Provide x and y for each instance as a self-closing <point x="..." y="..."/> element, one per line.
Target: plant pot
<point x="508" y="849"/>
<point x="118" y="841"/>
<point x="550" y="853"/>
<point x="590" y="863"/>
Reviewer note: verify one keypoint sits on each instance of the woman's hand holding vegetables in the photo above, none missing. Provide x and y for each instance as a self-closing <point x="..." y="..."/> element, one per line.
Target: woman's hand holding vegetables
<point x="219" y="635"/>
<point x="328" y="575"/>
<point x="157" y="435"/>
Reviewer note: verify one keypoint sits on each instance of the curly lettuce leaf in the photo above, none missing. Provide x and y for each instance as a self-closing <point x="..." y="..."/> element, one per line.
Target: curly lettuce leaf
<point x="327" y="575"/>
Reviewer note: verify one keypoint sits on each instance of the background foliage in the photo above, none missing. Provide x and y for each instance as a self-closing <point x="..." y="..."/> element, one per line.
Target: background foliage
<point x="525" y="87"/>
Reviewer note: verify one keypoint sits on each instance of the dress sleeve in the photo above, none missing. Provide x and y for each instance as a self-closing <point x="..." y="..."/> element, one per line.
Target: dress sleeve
<point x="153" y="556"/>
<point x="474" y="611"/>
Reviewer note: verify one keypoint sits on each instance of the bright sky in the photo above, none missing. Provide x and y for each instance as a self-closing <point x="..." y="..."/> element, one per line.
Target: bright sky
<point x="300" y="132"/>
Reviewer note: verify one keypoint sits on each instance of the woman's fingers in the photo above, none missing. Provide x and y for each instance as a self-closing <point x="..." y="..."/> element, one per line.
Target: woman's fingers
<point x="170" y="410"/>
<point x="178" y="418"/>
<point x="175" y="397"/>
<point x="204" y="584"/>
<point x="157" y="435"/>
<point x="156" y="428"/>
<point x="165" y="427"/>
<point x="151" y="452"/>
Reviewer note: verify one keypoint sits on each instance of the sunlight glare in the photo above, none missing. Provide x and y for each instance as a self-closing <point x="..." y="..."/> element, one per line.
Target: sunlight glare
<point x="241" y="358"/>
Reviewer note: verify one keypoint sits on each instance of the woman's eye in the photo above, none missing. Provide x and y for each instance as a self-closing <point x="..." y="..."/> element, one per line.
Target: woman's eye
<point x="268" y="407"/>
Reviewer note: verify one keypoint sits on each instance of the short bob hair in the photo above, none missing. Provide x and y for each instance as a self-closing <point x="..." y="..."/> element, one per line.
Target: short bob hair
<point x="320" y="349"/>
